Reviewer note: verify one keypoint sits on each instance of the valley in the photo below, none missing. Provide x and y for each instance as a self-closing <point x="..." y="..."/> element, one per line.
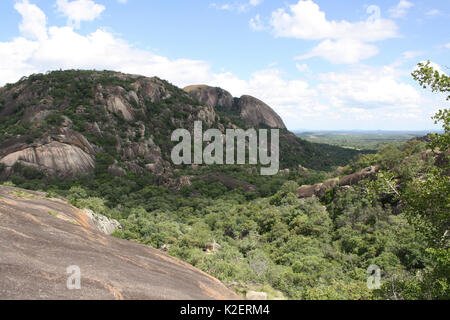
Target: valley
<point x="360" y="140"/>
<point x="100" y="140"/>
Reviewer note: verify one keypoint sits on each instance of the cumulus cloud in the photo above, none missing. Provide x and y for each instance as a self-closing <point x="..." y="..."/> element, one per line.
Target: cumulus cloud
<point x="433" y="12"/>
<point x="302" y="67"/>
<point x="401" y="9"/>
<point x="237" y="6"/>
<point x="34" y="21"/>
<point x="411" y="54"/>
<point x="377" y="95"/>
<point x="79" y="10"/>
<point x="256" y="24"/>
<point x="342" y="51"/>
<point x="305" y="20"/>
<point x="362" y="87"/>
<point x="342" y="41"/>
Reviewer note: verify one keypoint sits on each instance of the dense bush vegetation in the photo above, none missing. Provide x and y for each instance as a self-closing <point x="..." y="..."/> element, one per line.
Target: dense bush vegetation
<point x="269" y="239"/>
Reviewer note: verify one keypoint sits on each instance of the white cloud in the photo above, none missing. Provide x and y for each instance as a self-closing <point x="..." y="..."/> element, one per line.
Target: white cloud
<point x="225" y="6"/>
<point x="302" y="67"/>
<point x="34" y="21"/>
<point x="433" y="12"/>
<point x="237" y="6"/>
<point x="401" y="9"/>
<point x="14" y="59"/>
<point x="342" y="51"/>
<point x="342" y="41"/>
<point x="407" y="55"/>
<point x="376" y="98"/>
<point x="447" y="45"/>
<point x="255" y="2"/>
<point x="101" y="50"/>
<point x="256" y="24"/>
<point x="369" y="87"/>
<point x="305" y="20"/>
<point x="79" y="10"/>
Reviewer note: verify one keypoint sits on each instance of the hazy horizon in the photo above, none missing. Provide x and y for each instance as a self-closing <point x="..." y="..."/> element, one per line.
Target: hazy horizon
<point x="365" y="131"/>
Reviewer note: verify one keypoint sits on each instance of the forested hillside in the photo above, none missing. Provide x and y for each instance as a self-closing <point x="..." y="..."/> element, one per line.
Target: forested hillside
<point x="126" y="120"/>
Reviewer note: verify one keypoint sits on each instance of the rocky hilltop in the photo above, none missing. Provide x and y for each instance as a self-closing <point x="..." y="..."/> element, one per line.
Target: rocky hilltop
<point x="66" y="123"/>
<point x="211" y="96"/>
<point x="41" y="237"/>
<point x="256" y="112"/>
<point x="253" y="111"/>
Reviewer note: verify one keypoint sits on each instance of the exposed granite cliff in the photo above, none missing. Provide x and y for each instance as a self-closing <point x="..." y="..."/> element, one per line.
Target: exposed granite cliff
<point x="64" y="153"/>
<point x="253" y="111"/>
<point x="211" y="96"/>
<point x="319" y="189"/>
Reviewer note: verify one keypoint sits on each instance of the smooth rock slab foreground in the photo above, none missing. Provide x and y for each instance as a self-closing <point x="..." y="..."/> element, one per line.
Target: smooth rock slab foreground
<point x="40" y="238"/>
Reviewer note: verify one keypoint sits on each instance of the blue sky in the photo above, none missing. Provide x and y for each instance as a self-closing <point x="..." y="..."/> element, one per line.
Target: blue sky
<point x="321" y="64"/>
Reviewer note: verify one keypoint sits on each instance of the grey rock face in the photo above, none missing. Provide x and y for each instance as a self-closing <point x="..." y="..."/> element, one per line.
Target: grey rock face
<point x="65" y="153"/>
<point x="152" y="88"/>
<point x="358" y="176"/>
<point x="55" y="157"/>
<point x="255" y="112"/>
<point x="256" y="295"/>
<point x="102" y="223"/>
<point x="117" y="171"/>
<point x="120" y="106"/>
<point x="207" y="114"/>
<point x="319" y="189"/>
<point x="211" y="96"/>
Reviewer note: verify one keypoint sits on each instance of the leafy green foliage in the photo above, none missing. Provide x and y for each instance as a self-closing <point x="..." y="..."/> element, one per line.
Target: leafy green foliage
<point x="426" y="202"/>
<point x="427" y="76"/>
<point x="442" y="141"/>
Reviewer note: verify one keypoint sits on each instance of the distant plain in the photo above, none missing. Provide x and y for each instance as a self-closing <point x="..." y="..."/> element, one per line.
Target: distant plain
<point x="360" y="140"/>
